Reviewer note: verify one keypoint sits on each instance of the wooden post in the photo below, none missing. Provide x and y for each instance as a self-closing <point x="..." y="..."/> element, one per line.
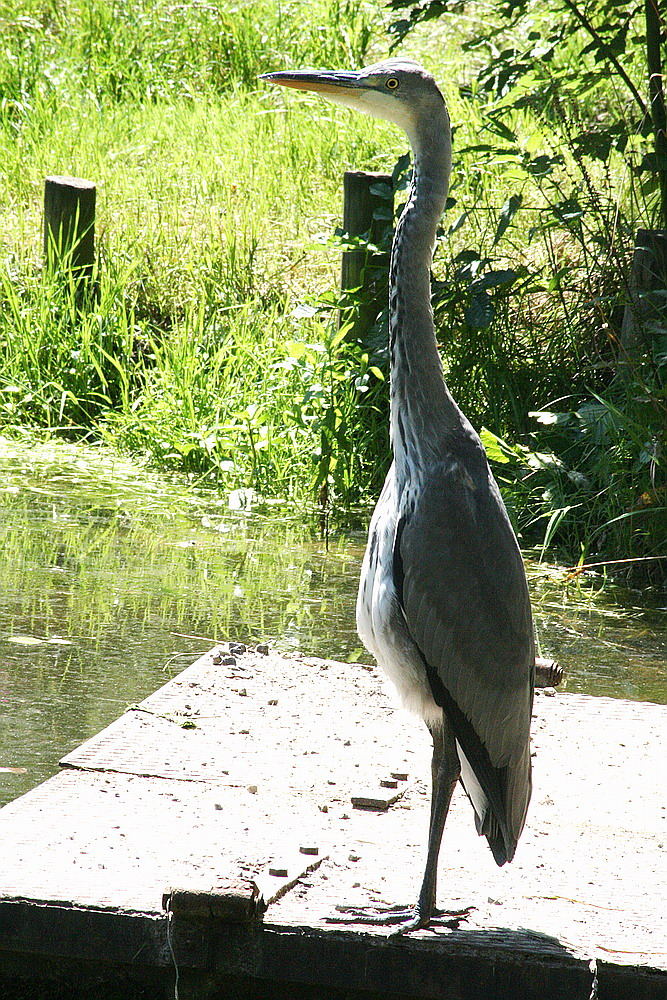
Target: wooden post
<point x="364" y="275"/>
<point x="69" y="224"/>
<point x="646" y="312"/>
<point x="654" y="43"/>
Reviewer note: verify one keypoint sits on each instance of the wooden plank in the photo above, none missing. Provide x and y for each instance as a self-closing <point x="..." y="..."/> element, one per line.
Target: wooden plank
<point x="86" y="933"/>
<point x="500" y="964"/>
<point x="378" y="801"/>
<point x="269" y="769"/>
<point x="364" y="965"/>
<point x="237" y="901"/>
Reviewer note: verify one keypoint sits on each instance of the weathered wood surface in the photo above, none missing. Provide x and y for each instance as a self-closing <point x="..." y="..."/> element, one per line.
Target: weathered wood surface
<point x="645" y="314"/>
<point x="363" y="271"/>
<point x="69" y="223"/>
<point x="234" y="770"/>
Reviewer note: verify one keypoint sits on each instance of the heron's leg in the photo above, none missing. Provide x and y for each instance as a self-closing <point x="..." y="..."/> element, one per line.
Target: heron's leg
<point x="445" y="773"/>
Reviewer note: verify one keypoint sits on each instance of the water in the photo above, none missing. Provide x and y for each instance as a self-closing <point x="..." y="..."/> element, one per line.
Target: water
<point x="111" y="581"/>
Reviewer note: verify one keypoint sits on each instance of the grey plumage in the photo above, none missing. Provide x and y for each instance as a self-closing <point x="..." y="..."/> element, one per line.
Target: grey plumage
<point x="443" y="602"/>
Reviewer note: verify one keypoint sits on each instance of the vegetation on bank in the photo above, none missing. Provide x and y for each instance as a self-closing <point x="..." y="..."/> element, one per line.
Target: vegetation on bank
<point x="211" y="341"/>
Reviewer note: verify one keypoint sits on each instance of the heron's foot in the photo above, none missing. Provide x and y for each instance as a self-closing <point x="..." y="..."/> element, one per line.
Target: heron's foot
<point x="407" y="918"/>
<point x="417" y="919"/>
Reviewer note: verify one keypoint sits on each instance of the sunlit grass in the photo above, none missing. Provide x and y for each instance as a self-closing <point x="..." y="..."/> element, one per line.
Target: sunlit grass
<point x="217" y="198"/>
<point x="207" y="214"/>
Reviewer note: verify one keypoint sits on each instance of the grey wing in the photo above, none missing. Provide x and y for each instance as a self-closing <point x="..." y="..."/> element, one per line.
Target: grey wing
<point x="461" y="583"/>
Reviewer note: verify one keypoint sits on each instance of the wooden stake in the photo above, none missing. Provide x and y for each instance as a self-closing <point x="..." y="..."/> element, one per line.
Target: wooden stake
<point x="646" y="312"/>
<point x="69" y="224"/>
<point x="654" y="43"/>
<point x="363" y="208"/>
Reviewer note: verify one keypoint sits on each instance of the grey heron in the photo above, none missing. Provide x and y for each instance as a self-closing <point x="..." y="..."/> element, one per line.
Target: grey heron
<point x="443" y="601"/>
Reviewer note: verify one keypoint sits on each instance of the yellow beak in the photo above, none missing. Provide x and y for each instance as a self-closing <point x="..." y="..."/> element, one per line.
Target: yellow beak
<point x="320" y="82"/>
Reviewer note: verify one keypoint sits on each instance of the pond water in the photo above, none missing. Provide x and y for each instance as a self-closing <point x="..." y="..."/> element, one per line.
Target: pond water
<point x="113" y="580"/>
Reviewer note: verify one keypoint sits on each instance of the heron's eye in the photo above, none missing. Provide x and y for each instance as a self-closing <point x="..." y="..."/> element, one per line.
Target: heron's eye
<point x="392" y="83"/>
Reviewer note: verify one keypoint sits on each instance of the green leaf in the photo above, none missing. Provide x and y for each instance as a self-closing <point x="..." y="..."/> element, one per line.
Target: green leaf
<point x="303" y="311"/>
<point x="542" y="166"/>
<point x="493" y="446"/>
<point x="494" y="279"/>
<point x="548" y="418"/>
<point x="494" y="124"/>
<point x="458" y="223"/>
<point x="339" y="336"/>
<point x="296" y="349"/>
<point x="507" y="213"/>
<point x="555" y="519"/>
<point x="480" y="311"/>
<point x="568" y="210"/>
<point x="382" y="190"/>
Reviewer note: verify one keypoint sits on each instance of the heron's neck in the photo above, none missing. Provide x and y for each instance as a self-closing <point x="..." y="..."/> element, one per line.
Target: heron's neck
<point x="422" y="410"/>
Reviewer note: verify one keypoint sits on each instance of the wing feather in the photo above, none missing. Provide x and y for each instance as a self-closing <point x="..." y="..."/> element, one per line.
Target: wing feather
<point x="465" y="600"/>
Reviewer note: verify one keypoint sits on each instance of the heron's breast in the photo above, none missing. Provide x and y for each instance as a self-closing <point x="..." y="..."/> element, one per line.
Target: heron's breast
<point x="375" y="583"/>
<point x="380" y="621"/>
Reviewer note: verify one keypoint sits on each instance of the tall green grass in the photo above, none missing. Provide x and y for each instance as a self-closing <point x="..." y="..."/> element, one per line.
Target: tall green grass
<point x="210" y="199"/>
<point x="130" y="51"/>
<point x="209" y="341"/>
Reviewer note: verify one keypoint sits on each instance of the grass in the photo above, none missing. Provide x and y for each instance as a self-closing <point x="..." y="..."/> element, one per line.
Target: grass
<point x="210" y="343"/>
<point x="210" y="195"/>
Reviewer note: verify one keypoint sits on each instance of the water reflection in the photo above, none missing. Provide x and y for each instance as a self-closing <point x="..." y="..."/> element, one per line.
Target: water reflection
<point x="112" y="580"/>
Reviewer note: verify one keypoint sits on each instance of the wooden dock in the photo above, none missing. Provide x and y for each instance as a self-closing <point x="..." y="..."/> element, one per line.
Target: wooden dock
<point x="242" y="771"/>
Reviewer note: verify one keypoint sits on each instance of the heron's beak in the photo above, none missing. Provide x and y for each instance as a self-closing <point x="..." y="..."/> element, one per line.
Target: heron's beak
<point x="321" y="82"/>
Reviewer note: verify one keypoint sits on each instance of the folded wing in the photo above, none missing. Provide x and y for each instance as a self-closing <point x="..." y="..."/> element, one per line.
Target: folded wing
<point x="460" y="580"/>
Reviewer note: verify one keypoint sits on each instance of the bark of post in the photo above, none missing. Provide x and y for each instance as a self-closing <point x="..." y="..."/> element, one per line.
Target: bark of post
<point x="364" y="274"/>
<point x="69" y="224"/>
<point x="645" y="315"/>
<point x="654" y="42"/>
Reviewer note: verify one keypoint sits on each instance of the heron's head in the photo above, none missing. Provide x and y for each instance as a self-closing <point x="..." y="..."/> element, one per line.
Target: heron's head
<point x="397" y="90"/>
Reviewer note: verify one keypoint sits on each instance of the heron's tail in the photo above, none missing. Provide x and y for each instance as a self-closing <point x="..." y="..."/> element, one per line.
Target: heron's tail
<point x="502" y="828"/>
<point x="500" y="816"/>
